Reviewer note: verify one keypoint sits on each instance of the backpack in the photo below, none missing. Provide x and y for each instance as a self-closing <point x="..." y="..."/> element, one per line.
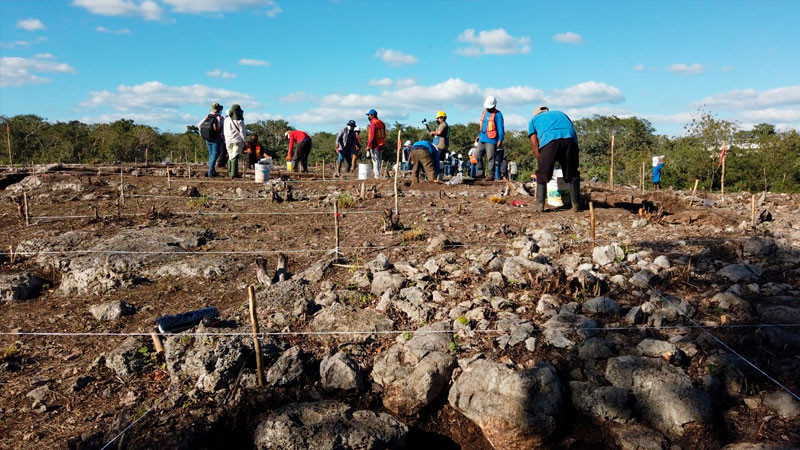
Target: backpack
<point x="209" y="129"/>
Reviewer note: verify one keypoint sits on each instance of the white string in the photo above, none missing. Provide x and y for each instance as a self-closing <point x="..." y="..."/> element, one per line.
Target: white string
<point x="728" y="347"/>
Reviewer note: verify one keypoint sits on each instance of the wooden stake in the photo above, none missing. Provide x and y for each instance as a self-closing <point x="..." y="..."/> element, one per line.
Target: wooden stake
<point x="643" y="172"/>
<point x="146" y="157"/>
<point x="693" y="192"/>
<point x="169" y="180"/>
<point x="251" y="294"/>
<point x="8" y="136"/>
<point x="25" y="207"/>
<point x="336" y="225"/>
<point x="722" y="180"/>
<point x="157" y="342"/>
<point x="11" y="253"/>
<point x="753" y="209"/>
<point x="189" y="172"/>
<point x="611" y="171"/>
<point x="511" y="187"/>
<point x="591" y="222"/>
<point x="121" y="188"/>
<point x="323" y="170"/>
<point x="396" y="177"/>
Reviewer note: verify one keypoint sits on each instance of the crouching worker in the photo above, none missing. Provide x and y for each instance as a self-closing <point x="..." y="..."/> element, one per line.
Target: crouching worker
<point x="253" y="152"/>
<point x="425" y="157"/>
<point x="553" y="138"/>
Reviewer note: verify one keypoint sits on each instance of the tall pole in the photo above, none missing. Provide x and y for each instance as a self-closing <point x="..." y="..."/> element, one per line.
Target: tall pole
<point x="611" y="171"/>
<point x="722" y="180"/>
<point x="396" y="175"/>
<point x="251" y="297"/>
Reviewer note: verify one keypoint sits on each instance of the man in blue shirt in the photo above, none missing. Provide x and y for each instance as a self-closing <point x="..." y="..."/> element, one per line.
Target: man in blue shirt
<point x="491" y="136"/>
<point x="553" y="138"/>
<point x="425" y="157"/>
<point x="657" y="174"/>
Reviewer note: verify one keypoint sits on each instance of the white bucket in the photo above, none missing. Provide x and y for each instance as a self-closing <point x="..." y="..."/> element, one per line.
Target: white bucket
<point x="262" y="172"/>
<point x="364" y="171"/>
<point x="557" y="190"/>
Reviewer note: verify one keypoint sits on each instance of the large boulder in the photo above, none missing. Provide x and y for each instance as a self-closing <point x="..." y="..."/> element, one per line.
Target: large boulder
<point x="604" y="402"/>
<point x="384" y="281"/>
<point x="415" y="373"/>
<point x="515" y="409"/>
<point x="665" y="396"/>
<point x="565" y="328"/>
<point x="128" y="358"/>
<point x="340" y="373"/>
<point x="329" y="426"/>
<point x="288" y="368"/>
<point x="344" y="318"/>
<point x="741" y="272"/>
<point x="516" y="269"/>
<point x="19" y="286"/>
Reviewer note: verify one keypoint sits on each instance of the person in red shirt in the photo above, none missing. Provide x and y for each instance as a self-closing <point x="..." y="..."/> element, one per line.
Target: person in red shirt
<point x="298" y="154"/>
<point x="376" y="141"/>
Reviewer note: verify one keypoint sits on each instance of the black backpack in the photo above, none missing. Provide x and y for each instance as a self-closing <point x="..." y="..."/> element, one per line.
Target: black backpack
<point x="209" y="129"/>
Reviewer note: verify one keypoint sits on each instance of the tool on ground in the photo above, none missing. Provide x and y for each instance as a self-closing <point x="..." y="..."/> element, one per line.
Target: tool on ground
<point x="184" y="321"/>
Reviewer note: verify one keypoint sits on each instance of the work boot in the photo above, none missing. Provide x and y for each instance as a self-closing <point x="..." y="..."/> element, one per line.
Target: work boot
<point x="233" y="168"/>
<point x="338" y="169"/>
<point x="575" y="194"/>
<point x="541" y="195"/>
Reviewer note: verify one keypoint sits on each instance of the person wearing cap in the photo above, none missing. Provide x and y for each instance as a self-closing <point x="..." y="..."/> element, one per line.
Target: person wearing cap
<point x="441" y="137"/>
<point x="426" y="158"/>
<point x="553" y="138"/>
<point x="406" y="154"/>
<point x="235" y="138"/>
<point x="491" y="135"/>
<point x="345" y="145"/>
<point x="298" y="155"/>
<point x="376" y="141"/>
<point x="657" y="174"/>
<point x="215" y="145"/>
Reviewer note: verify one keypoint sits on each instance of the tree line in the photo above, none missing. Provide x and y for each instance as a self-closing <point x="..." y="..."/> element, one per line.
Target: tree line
<point x="756" y="159"/>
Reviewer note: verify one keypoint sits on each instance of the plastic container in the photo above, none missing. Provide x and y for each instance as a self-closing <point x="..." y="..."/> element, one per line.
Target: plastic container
<point x="557" y="192"/>
<point x="263" y="168"/>
<point x="364" y="171"/>
<point x="289" y="166"/>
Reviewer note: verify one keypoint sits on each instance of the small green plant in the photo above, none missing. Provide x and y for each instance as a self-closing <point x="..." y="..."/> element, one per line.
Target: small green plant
<point x="416" y="233"/>
<point x="713" y="369"/>
<point x="454" y="346"/>
<point x="346" y="200"/>
<point x="149" y="358"/>
<point x="407" y="335"/>
<point x="199" y="202"/>
<point x="462" y="320"/>
<point x="9" y="351"/>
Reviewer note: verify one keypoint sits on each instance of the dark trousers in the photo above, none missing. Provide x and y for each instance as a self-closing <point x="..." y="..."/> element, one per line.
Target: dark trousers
<point x="563" y="151"/>
<point x="300" y="155"/>
<point x="423" y="161"/>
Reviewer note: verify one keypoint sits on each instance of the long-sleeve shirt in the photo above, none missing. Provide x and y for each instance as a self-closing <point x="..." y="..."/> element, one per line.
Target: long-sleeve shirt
<point x="377" y="134"/>
<point x="234" y="130"/>
<point x="498" y="121"/>
<point x="657" y="172"/>
<point x="296" y="136"/>
<point x="346" y="139"/>
<point x="220" y="124"/>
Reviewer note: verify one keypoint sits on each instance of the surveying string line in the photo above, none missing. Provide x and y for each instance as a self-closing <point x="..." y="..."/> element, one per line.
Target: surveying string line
<point x="385" y="332"/>
<point x="720" y="341"/>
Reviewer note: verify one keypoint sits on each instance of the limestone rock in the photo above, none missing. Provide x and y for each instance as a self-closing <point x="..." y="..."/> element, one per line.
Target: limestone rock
<point x="601" y="305"/>
<point x="604" y="402"/>
<point x="741" y="272"/>
<point x="288" y="369"/>
<point x="111" y="310"/>
<point x="19" y="286"/>
<point x="340" y="373"/>
<point x="384" y="281"/>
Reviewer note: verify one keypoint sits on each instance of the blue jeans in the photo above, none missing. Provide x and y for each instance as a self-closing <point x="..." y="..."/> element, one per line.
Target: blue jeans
<point x="473" y="170"/>
<point x="213" y="152"/>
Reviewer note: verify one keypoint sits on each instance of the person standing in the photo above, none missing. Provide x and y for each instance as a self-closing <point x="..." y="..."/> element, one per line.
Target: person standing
<point x="499" y="156"/>
<point x="491" y="135"/>
<point x="211" y="129"/>
<point x="376" y="141"/>
<point x="235" y="138"/>
<point x="513" y="170"/>
<point x="406" y="154"/>
<point x="345" y="145"/>
<point x="426" y="158"/>
<point x="441" y="139"/>
<point x="657" y="174"/>
<point x="298" y="154"/>
<point x="473" y="161"/>
<point x="553" y="138"/>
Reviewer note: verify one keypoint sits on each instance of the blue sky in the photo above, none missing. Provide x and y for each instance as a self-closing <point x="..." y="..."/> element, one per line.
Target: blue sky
<point x="319" y="63"/>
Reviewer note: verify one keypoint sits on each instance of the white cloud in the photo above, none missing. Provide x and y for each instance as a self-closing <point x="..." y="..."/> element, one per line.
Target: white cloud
<point x="772" y="115"/>
<point x="753" y="99"/>
<point x="638" y="67"/>
<point x="253" y="62"/>
<point x="30" y="24"/>
<point x="395" y="57"/>
<point x="589" y="111"/>
<point x="678" y="118"/>
<point x="568" y="38"/>
<point x="297" y="97"/>
<point x="383" y="82"/>
<point x="152" y="117"/>
<point x="101" y="29"/>
<point x="583" y="94"/>
<point x="405" y="82"/>
<point x="147" y="9"/>
<point x="219" y="6"/>
<point x="515" y="121"/>
<point x="683" y="69"/>
<point x="219" y="73"/>
<point x="154" y="95"/>
<point x="492" y="42"/>
<point x="15" y="71"/>
<point x="20" y="43"/>
<point x="516" y="95"/>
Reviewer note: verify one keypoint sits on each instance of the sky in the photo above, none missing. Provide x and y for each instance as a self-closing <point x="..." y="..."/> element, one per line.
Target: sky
<point x="318" y="64"/>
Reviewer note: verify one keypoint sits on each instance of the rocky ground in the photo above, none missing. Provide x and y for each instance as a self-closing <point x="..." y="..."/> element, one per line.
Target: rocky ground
<point x="471" y="323"/>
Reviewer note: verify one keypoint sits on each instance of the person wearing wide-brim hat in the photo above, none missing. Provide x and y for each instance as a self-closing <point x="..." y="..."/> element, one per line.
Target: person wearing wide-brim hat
<point x="235" y="138"/>
<point x="211" y="129"/>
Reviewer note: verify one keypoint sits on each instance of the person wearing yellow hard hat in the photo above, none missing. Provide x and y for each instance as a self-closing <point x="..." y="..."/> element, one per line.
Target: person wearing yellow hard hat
<point x="441" y="137"/>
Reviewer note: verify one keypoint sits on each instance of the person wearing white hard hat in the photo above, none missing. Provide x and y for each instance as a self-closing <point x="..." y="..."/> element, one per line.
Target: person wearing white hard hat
<point x="406" y="154"/>
<point x="491" y="135"/>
